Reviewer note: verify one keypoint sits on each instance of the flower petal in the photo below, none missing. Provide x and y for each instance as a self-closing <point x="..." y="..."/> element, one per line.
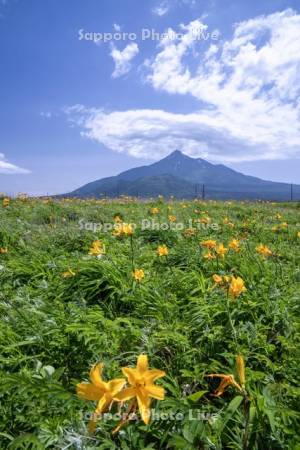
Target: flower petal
<point x="104" y="403"/>
<point x="116" y="385"/>
<point x="155" y="391"/>
<point x="89" y="392"/>
<point x="144" y="405"/>
<point x="95" y="376"/>
<point x="131" y="374"/>
<point x="153" y="375"/>
<point x="126" y="394"/>
<point x="142" y="363"/>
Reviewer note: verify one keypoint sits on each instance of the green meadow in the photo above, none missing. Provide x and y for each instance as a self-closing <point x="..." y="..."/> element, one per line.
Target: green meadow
<point x="79" y="287"/>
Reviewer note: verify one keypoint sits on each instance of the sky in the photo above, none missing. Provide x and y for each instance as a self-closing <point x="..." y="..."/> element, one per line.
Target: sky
<point x="89" y="88"/>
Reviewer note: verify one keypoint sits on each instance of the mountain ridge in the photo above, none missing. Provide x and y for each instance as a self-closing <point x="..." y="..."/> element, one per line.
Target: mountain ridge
<point x="181" y="176"/>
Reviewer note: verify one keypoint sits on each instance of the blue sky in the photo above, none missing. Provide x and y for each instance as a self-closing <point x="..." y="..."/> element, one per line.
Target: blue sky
<point x="224" y="85"/>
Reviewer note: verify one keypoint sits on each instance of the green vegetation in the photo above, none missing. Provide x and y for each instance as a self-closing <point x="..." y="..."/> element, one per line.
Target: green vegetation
<point x="63" y="310"/>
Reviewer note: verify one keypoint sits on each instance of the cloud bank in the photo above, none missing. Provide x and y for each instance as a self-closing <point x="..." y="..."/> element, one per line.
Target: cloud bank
<point x="248" y="89"/>
<point x="10" y="169"/>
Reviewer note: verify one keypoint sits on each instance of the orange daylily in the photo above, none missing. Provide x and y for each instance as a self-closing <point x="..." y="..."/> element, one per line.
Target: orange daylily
<point x="123" y="229"/>
<point x="264" y="250"/>
<point x="162" y="250"/>
<point x="226" y="381"/>
<point x="210" y="244"/>
<point x="236" y="287"/>
<point x="97" y="248"/>
<point x="221" y="250"/>
<point x="142" y="389"/>
<point x="103" y="392"/>
<point x="234" y="245"/>
<point x="138" y="274"/>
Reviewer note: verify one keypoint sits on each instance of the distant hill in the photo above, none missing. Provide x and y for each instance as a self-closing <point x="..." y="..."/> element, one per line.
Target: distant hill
<point x="185" y="177"/>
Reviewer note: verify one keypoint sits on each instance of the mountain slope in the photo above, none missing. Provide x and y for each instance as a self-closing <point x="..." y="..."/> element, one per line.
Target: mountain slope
<point x="183" y="177"/>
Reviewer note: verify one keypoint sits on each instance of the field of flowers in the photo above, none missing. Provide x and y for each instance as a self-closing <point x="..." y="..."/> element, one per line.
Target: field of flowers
<point x="149" y="325"/>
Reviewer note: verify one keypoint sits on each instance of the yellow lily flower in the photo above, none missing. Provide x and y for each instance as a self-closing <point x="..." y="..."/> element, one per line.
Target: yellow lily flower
<point x="118" y="219"/>
<point x="162" y="250"/>
<point x="209" y="256"/>
<point x="236" y="287"/>
<point x="5" y="202"/>
<point x="221" y="250"/>
<point x="99" y="390"/>
<point x="97" y="248"/>
<point x="143" y="389"/>
<point x="209" y="244"/>
<point x="123" y="229"/>
<point x="172" y="218"/>
<point x="68" y="273"/>
<point x="138" y="274"/>
<point x="263" y="250"/>
<point x="234" y="245"/>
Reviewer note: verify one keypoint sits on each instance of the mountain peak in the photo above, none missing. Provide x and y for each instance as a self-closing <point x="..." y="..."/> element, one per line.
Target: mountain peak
<point x="175" y="154"/>
<point x="180" y="175"/>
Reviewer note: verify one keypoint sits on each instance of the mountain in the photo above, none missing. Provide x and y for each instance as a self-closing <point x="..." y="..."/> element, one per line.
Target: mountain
<point x="185" y="177"/>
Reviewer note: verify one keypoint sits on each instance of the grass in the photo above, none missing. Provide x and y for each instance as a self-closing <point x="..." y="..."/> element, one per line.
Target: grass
<point x="54" y="327"/>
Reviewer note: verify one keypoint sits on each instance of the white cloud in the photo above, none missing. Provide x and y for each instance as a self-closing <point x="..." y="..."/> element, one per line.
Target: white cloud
<point x="248" y="89"/>
<point x="46" y="114"/>
<point x="117" y="27"/>
<point x="8" y="168"/>
<point x="123" y="59"/>
<point x="164" y="6"/>
<point x="161" y="9"/>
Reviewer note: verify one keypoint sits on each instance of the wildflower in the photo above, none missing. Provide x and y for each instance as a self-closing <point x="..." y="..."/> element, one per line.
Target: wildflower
<point x="298" y="234"/>
<point x="217" y="279"/>
<point x="123" y="229"/>
<point x="172" y="218"/>
<point x="234" y="245"/>
<point x="154" y="211"/>
<point x="162" y="250"/>
<point x="3" y="250"/>
<point x="205" y="220"/>
<point x="138" y="274"/>
<point x="5" y="202"/>
<point x="221" y="250"/>
<point x="209" y="244"/>
<point x="264" y="250"/>
<point x="142" y="389"/>
<point x="278" y="216"/>
<point x="236" y="287"/>
<point x="209" y="256"/>
<point x="226" y="381"/>
<point x="99" y="390"/>
<point x="240" y="367"/>
<point x="68" y="274"/>
<point x="226" y="221"/>
<point x="118" y="219"/>
<point x="189" y="232"/>
<point x="97" y="248"/>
